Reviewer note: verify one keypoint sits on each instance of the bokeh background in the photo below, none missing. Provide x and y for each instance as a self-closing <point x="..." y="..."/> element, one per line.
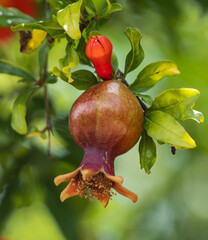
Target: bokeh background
<point x="173" y="199"/>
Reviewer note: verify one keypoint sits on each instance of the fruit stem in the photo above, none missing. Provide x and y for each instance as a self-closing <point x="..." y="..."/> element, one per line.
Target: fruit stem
<point x="120" y="77"/>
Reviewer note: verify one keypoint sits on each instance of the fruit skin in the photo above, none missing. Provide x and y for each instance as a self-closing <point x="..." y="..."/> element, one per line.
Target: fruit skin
<point x="99" y="50"/>
<point x="106" y="121"/>
<point x="106" y="116"/>
<point x="28" y="7"/>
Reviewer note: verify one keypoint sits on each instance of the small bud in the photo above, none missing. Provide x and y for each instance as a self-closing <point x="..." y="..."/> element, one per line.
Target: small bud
<point x="99" y="50"/>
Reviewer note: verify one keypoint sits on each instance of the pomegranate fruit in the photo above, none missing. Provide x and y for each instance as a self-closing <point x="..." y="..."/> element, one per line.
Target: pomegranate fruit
<point x="106" y="121"/>
<point x="99" y="50"/>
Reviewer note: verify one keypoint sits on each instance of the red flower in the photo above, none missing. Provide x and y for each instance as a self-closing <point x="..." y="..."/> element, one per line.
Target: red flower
<point x="99" y="50"/>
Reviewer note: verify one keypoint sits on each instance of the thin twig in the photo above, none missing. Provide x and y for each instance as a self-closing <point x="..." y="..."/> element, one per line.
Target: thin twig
<point x="41" y="82"/>
<point x="48" y="120"/>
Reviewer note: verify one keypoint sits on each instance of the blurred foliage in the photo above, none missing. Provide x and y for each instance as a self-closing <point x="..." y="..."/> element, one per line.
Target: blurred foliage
<point x="172" y="200"/>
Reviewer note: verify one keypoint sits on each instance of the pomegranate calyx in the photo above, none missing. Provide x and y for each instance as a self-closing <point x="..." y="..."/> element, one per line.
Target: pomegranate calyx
<point x="86" y="183"/>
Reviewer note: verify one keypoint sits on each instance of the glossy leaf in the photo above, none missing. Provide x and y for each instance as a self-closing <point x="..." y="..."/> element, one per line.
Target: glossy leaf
<point x="163" y="127"/>
<point x="69" y="18"/>
<point x="42" y="54"/>
<point x="10" y="16"/>
<point x="81" y="52"/>
<point x="136" y="54"/>
<point x="88" y="29"/>
<point x="88" y="4"/>
<point x="83" y="79"/>
<point x="18" y="121"/>
<point x="51" y="79"/>
<point x="194" y="115"/>
<point x="94" y="33"/>
<point x="146" y="98"/>
<point x="15" y="71"/>
<point x="147" y="152"/>
<point x="88" y="9"/>
<point x="176" y="102"/>
<point x="58" y="4"/>
<point x="58" y="73"/>
<point x="152" y="74"/>
<point x="114" y="62"/>
<point x="51" y="27"/>
<point x="111" y="8"/>
<point x="71" y="60"/>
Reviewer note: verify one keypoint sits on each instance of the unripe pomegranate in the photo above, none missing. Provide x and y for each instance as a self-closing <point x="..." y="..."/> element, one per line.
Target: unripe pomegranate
<point x="106" y="121"/>
<point x="99" y="50"/>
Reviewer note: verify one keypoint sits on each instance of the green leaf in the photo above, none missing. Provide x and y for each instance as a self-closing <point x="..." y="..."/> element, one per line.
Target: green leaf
<point x="51" y="79"/>
<point x="152" y="74"/>
<point x="147" y="152"/>
<point x="94" y="33"/>
<point x="69" y="18"/>
<point x="194" y="115"/>
<point x="70" y="60"/>
<point x="136" y="54"/>
<point x="88" y="4"/>
<point x="114" y="62"/>
<point x="176" y="102"/>
<point x="163" y="127"/>
<point x="83" y="79"/>
<point x="15" y="71"/>
<point x="18" y="121"/>
<point x="146" y="98"/>
<point x="43" y="52"/>
<point x="10" y="16"/>
<point x="56" y="71"/>
<point x="88" y="10"/>
<point x="81" y="52"/>
<point x="51" y="27"/>
<point x="88" y="29"/>
<point x="111" y="8"/>
<point x="56" y="4"/>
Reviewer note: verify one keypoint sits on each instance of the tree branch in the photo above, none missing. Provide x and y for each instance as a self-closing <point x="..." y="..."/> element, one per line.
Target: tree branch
<point x="48" y="120"/>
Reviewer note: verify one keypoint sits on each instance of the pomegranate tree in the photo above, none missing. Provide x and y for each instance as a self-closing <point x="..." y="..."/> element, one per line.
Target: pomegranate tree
<point x="106" y="121"/>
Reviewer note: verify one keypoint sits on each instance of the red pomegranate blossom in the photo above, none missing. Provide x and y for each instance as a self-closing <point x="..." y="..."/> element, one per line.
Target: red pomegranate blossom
<point x="99" y="50"/>
<point x="106" y="121"/>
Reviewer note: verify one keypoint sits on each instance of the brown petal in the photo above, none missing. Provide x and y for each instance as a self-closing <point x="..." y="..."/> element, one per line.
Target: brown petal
<point x="125" y="192"/>
<point x="116" y="179"/>
<point x="103" y="199"/>
<point x="70" y="191"/>
<point x="66" y="177"/>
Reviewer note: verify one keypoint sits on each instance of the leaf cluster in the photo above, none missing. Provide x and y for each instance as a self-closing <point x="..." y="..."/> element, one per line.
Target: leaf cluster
<point x="163" y="115"/>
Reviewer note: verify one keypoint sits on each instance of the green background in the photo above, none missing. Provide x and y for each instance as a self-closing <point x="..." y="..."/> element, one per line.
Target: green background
<point x="173" y="199"/>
